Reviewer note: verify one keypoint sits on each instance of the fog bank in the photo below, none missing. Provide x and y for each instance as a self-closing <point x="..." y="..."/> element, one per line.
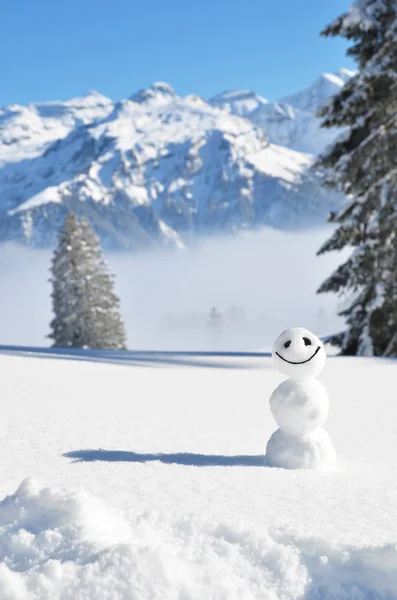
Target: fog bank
<point x="259" y="282"/>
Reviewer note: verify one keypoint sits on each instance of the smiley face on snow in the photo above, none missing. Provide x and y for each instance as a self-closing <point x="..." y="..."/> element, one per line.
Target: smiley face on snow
<point x="299" y="353"/>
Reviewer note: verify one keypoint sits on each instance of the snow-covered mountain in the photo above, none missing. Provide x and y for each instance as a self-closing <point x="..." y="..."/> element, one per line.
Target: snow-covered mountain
<point x="156" y="169"/>
<point x="25" y="131"/>
<point x="313" y="97"/>
<point x="290" y="121"/>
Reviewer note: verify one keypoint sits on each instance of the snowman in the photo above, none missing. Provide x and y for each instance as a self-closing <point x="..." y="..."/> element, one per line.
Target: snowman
<point x="300" y="405"/>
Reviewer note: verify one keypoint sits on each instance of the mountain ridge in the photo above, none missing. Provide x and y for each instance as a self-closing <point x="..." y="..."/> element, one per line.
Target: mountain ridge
<point x="155" y="169"/>
<point x="290" y="121"/>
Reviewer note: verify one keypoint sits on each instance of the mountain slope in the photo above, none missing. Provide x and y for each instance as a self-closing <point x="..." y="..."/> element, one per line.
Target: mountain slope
<point x="313" y="97"/>
<point x="148" y="170"/>
<point x="26" y="130"/>
<point x="290" y="121"/>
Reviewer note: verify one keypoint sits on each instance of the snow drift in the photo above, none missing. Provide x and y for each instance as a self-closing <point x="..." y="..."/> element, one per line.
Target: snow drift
<point x="59" y="545"/>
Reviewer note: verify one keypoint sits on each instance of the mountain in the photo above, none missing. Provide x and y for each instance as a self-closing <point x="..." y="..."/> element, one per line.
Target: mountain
<point x="313" y="97"/>
<point x="290" y="121"/>
<point x="25" y="131"/>
<point x="155" y="169"/>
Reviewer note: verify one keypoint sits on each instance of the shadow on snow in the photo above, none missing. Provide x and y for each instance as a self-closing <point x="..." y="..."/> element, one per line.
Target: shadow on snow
<point x="144" y="358"/>
<point x="182" y="458"/>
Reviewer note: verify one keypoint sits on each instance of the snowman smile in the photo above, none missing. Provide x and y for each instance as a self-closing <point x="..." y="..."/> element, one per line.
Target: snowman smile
<point x="299" y="363"/>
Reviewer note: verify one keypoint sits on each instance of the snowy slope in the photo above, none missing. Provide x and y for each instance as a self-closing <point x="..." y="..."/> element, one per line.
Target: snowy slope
<point x="151" y="483"/>
<point x="25" y="131"/>
<point x="313" y="97"/>
<point x="290" y="121"/>
<point x="148" y="171"/>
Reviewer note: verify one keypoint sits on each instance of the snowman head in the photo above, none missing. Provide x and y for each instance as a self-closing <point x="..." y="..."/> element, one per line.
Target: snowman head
<point x="298" y="353"/>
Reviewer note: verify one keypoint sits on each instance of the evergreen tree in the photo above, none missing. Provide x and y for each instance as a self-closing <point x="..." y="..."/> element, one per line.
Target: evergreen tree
<point x="85" y="306"/>
<point x="214" y="319"/>
<point x="363" y="164"/>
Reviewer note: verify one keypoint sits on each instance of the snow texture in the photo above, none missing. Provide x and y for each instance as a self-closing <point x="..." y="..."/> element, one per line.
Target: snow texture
<point x="364" y="14"/>
<point x="158" y="490"/>
<point x="61" y="545"/>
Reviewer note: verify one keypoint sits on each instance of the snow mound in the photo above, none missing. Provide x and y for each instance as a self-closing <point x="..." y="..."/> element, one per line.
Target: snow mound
<point x="60" y="545"/>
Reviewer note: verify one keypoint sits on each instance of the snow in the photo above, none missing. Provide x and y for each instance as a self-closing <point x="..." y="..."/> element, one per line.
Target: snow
<point x="158" y="93"/>
<point x="49" y="195"/>
<point x="189" y="163"/>
<point x="25" y="131"/>
<point x="248" y="104"/>
<point x="313" y="451"/>
<point x="239" y="102"/>
<point x="300" y="404"/>
<point x="313" y="97"/>
<point x="151" y="483"/>
<point x="334" y="79"/>
<point x="299" y="407"/>
<point x="290" y="121"/>
<point x="364" y="15"/>
<point x="346" y="74"/>
<point x="281" y="163"/>
<point x="299" y="353"/>
<point x="170" y="234"/>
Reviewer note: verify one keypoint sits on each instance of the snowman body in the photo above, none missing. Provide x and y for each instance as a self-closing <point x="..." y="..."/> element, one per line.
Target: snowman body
<point x="300" y="405"/>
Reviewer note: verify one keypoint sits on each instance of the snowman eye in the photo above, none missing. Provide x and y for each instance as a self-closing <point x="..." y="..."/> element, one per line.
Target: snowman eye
<point x="287" y="344"/>
<point x="307" y="341"/>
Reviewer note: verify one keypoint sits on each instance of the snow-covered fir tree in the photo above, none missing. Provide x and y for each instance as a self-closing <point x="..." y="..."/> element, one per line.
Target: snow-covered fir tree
<point x="214" y="319"/>
<point x="363" y="164"/>
<point x="86" y="309"/>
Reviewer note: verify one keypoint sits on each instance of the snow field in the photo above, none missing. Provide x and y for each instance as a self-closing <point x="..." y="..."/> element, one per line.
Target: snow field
<point x="152" y="484"/>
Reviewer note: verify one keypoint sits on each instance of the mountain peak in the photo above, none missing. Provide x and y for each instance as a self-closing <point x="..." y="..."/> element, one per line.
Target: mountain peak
<point x="163" y="87"/>
<point x="345" y="74"/>
<point x="239" y="102"/>
<point x="159" y="92"/>
<point x="93" y="98"/>
<point x="315" y="95"/>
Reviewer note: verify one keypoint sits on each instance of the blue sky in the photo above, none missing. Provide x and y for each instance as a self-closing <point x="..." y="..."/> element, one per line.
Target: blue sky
<point x="58" y="49"/>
